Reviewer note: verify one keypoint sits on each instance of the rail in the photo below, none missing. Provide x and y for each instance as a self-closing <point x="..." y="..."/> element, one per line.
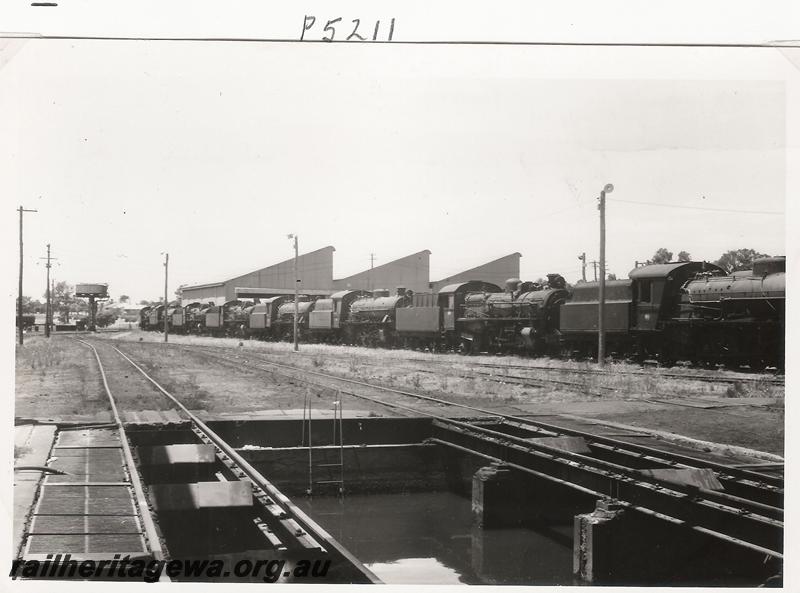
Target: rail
<point x="292" y="519"/>
<point x="153" y="538"/>
<point x="742" y="517"/>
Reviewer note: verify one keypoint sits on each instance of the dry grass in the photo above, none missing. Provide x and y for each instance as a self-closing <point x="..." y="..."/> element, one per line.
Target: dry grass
<point x="40" y="355"/>
<point x="621" y="392"/>
<point x="445" y="373"/>
<point x="55" y="377"/>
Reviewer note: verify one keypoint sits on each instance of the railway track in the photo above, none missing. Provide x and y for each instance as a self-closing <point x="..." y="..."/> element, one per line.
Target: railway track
<point x="91" y="497"/>
<point x="585" y="386"/>
<point x="297" y="373"/>
<point x="285" y="527"/>
<point x="748" y="512"/>
<point x="716" y="377"/>
<point x="709" y="378"/>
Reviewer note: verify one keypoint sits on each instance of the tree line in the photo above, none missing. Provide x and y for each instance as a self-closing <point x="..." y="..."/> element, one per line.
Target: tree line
<point x="66" y="306"/>
<point x="730" y="261"/>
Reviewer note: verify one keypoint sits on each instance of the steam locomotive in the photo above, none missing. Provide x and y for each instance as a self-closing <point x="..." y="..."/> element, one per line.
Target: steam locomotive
<point x="675" y="311"/>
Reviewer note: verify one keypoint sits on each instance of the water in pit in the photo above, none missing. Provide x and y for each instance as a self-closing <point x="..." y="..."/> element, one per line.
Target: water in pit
<point x="428" y="538"/>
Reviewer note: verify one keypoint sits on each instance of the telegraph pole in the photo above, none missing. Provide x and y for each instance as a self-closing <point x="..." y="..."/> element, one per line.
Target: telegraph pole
<point x="48" y="316"/>
<point x="601" y="330"/>
<point x="166" y="278"/>
<point x="296" y="287"/>
<point x="582" y="257"/>
<point x="594" y="267"/>
<point x="19" y="301"/>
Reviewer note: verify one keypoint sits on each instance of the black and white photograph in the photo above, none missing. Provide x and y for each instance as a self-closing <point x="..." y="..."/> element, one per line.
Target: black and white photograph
<point x="376" y="294"/>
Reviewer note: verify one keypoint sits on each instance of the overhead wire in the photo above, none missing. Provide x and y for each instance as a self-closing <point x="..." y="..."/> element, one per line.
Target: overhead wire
<point x="662" y="205"/>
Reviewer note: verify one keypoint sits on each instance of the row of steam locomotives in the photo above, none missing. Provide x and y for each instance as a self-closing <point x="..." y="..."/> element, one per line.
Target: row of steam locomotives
<point x="691" y="311"/>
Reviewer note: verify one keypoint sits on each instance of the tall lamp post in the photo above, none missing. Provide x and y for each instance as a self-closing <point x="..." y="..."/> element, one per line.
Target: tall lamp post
<point x="296" y="285"/>
<point x="601" y="330"/>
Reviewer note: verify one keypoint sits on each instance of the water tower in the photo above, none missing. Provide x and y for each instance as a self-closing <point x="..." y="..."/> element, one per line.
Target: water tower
<point x="93" y="292"/>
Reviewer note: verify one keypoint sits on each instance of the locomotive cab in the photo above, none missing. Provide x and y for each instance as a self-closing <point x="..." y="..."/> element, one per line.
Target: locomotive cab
<point x="262" y="316"/>
<point x="657" y="290"/>
<point x="330" y="313"/>
<point x="457" y="298"/>
<point x="144" y="318"/>
<point x="155" y="318"/>
<point x="373" y="319"/>
<point x="175" y="318"/>
<point x="769" y="265"/>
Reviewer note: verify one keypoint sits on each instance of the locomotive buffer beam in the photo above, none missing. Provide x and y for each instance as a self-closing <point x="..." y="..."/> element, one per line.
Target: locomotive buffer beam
<point x="732" y="519"/>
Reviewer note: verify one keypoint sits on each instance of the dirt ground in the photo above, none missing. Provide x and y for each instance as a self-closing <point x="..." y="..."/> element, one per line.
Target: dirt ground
<point x="56" y="377"/>
<point x="59" y="377"/>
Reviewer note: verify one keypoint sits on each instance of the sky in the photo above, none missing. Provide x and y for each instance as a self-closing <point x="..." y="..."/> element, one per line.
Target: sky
<point x="214" y="152"/>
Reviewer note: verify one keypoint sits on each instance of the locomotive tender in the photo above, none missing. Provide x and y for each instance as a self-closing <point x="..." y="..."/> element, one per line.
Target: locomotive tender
<point x="674" y="311"/>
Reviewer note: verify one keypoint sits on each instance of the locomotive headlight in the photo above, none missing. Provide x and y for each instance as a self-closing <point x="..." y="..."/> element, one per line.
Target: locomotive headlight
<point x="608" y="188"/>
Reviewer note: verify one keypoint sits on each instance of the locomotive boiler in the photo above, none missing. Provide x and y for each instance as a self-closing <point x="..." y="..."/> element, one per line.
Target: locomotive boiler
<point x="524" y="317"/>
<point x="736" y="318"/>
<point x="372" y="318"/>
<point x="228" y="319"/>
<point x="283" y="327"/>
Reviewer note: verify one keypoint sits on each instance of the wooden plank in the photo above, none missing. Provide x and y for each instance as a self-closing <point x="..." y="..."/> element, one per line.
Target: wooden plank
<point x="174" y="454"/>
<point x="571" y="444"/>
<point x="93" y="543"/>
<point x="201" y="495"/>
<point x="75" y="524"/>
<point x="692" y="476"/>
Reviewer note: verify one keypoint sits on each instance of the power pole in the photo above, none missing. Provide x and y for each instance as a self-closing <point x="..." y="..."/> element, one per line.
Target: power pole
<point x="582" y="257"/>
<point x="296" y="287"/>
<point x="48" y="315"/>
<point x="19" y="300"/>
<point x="166" y="303"/>
<point x="594" y="267"/>
<point x="601" y="330"/>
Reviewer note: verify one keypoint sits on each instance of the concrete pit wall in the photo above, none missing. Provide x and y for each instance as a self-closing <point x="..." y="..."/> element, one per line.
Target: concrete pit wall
<point x="612" y="544"/>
